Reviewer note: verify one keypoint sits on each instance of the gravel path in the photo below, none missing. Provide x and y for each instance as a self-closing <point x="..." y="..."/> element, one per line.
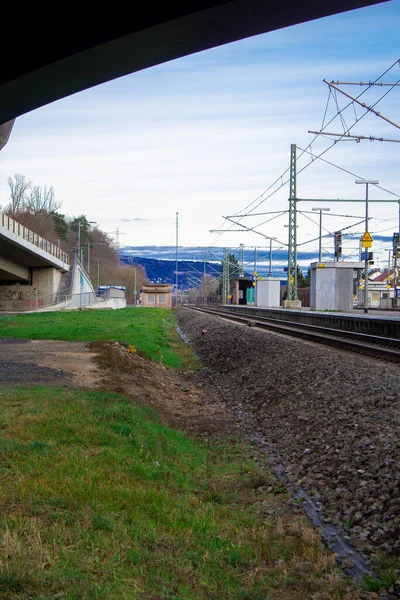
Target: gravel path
<point x="331" y="416"/>
<point x="45" y="362"/>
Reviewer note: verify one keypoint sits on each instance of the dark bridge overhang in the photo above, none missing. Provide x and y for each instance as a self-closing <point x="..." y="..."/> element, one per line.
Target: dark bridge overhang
<point x="49" y="53"/>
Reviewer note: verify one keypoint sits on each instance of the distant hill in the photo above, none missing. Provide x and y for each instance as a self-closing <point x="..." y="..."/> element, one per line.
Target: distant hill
<point x="190" y="272"/>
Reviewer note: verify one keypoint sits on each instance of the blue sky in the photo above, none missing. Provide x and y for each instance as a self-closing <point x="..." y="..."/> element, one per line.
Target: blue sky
<point x="207" y="134"/>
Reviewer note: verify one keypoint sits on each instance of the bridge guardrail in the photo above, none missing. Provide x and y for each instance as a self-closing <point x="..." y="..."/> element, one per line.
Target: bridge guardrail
<point x="21" y="231"/>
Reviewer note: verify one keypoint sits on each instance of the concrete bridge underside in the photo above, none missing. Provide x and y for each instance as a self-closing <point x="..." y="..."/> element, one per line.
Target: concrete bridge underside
<point x="57" y="53"/>
<point x="19" y="257"/>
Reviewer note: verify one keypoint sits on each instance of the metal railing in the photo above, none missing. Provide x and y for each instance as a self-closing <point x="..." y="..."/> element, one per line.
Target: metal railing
<point x="17" y="302"/>
<point x="26" y="234"/>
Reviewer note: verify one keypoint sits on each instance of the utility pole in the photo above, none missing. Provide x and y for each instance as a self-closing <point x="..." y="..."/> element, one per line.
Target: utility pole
<point x="98" y="275"/>
<point x="225" y="277"/>
<point x="320" y="231"/>
<point x="79" y="239"/>
<point x="388" y="282"/>
<point x="117" y="233"/>
<point x="395" y="268"/>
<point x="366" y="182"/>
<point x="241" y="271"/>
<point x="292" y="246"/>
<point x="204" y="282"/>
<point x="270" y="255"/>
<point x="135" y="290"/>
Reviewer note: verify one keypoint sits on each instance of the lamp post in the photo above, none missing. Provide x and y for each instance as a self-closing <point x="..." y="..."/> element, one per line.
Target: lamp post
<point x="98" y="275"/>
<point x="387" y="284"/>
<point x="320" y="210"/>
<point x="366" y="182"/>
<point x="80" y="257"/>
<point x="270" y="255"/>
<point x="134" y="291"/>
<point x="79" y="236"/>
<point x="88" y="255"/>
<point x="79" y="240"/>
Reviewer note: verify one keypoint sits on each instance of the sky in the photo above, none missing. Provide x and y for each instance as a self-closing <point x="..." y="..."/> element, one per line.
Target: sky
<point x="208" y="136"/>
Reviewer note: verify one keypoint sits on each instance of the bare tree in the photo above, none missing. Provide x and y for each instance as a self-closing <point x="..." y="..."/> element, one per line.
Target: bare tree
<point x="42" y="199"/>
<point x="19" y="187"/>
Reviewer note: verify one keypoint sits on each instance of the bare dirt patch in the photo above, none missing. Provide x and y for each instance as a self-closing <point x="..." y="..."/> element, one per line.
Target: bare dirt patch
<point x="184" y="400"/>
<point x="47" y="361"/>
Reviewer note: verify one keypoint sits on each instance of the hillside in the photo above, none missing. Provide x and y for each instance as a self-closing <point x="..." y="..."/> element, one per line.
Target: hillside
<point x="190" y="272"/>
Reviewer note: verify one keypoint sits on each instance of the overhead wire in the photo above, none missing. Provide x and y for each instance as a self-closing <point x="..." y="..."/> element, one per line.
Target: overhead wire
<point x="308" y="150"/>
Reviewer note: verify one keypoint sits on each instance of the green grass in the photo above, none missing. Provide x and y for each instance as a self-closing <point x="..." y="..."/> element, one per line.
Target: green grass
<point x="151" y="331"/>
<point x="100" y="501"/>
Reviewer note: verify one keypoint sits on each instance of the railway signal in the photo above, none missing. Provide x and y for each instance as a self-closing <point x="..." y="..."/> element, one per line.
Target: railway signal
<point x="396" y="245"/>
<point x="338" y="244"/>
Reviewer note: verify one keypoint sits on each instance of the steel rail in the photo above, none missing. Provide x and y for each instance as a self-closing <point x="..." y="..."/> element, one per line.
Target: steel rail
<point x="370" y="345"/>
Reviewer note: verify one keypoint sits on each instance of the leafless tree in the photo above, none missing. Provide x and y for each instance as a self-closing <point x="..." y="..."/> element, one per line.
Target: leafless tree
<point x="19" y="187"/>
<point x="42" y="199"/>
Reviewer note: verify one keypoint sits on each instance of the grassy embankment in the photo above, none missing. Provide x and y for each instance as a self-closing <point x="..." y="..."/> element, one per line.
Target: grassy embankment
<point x="151" y="331"/>
<point x="100" y="501"/>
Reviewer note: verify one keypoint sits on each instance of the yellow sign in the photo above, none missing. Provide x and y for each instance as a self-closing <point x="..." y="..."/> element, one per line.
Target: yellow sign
<point x="229" y="296"/>
<point x="388" y="286"/>
<point x="255" y="274"/>
<point x="367" y="240"/>
<point x="367" y="237"/>
<point x="291" y="279"/>
<point x="260" y="278"/>
<point x="320" y="265"/>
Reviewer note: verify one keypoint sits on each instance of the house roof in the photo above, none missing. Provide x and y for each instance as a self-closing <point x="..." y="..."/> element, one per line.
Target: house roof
<point x="157" y="287"/>
<point x="383" y="276"/>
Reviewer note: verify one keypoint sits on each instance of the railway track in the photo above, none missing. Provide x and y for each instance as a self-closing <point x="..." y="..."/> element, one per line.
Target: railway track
<point x="371" y="345"/>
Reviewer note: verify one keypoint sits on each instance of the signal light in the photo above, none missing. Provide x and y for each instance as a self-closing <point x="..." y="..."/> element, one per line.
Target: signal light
<point x="338" y="244"/>
<point x="396" y="245"/>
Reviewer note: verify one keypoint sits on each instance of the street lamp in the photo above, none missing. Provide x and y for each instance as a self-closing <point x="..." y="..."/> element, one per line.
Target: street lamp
<point x="98" y="275"/>
<point x="135" y="291"/>
<point x="366" y="182"/>
<point x="270" y="255"/>
<point x="387" y="279"/>
<point x="79" y="236"/>
<point x="320" y="230"/>
<point x="80" y="258"/>
<point x="88" y="256"/>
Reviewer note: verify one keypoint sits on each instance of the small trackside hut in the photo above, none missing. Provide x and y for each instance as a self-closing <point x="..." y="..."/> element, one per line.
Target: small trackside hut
<point x="157" y="295"/>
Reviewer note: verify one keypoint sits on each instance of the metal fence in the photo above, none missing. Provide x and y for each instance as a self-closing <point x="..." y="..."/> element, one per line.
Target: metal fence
<point x="26" y="234"/>
<point x="16" y="302"/>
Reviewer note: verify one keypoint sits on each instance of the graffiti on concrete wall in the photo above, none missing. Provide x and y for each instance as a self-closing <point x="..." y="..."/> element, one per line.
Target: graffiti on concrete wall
<point x="21" y="299"/>
<point x="30" y="294"/>
<point x="39" y="302"/>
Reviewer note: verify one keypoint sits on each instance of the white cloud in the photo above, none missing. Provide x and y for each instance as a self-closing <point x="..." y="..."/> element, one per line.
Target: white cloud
<point x="207" y="134"/>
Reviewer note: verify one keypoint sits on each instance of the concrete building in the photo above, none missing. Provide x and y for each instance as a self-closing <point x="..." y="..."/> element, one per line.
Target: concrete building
<point x="332" y="285"/>
<point x="157" y="295"/>
<point x="243" y="291"/>
<point x="268" y="292"/>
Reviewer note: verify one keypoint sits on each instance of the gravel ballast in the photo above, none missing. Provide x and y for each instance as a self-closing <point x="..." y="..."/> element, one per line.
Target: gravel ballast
<point x="332" y="417"/>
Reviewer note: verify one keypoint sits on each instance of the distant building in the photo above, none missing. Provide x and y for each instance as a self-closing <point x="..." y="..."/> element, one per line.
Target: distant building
<point x="157" y="295"/>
